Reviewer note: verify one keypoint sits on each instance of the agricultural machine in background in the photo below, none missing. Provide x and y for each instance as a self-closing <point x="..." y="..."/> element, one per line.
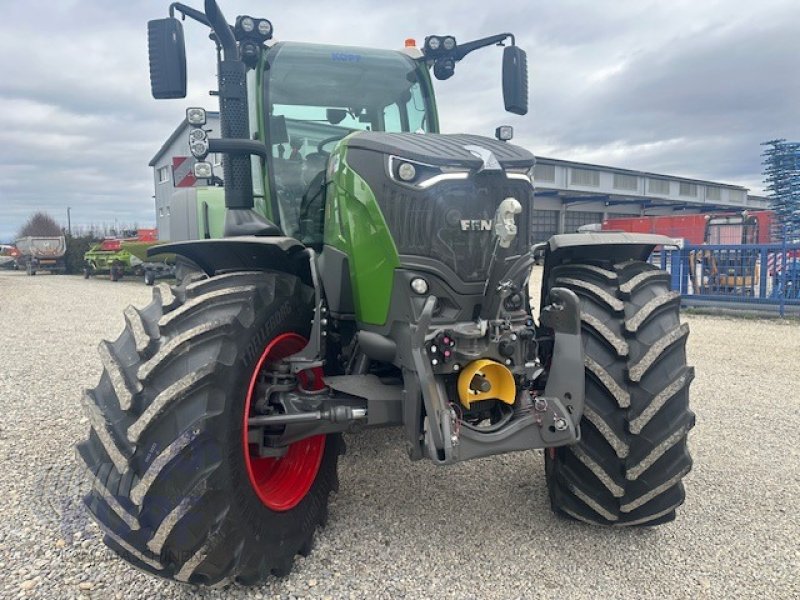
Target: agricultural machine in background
<point x="127" y="256"/>
<point x="734" y="270"/>
<point x="41" y="253"/>
<point x="371" y="273"/>
<point x="746" y="227"/>
<point x="718" y="271"/>
<point x="8" y="257"/>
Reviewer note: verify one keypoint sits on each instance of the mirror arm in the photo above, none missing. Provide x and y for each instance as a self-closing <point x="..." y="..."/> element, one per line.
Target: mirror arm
<point x="237" y="146"/>
<point x="222" y="30"/>
<point x="200" y="17"/>
<point x="463" y="49"/>
<point x="188" y="11"/>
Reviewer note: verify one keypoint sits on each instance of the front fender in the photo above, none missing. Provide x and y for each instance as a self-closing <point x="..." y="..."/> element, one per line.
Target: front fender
<point x="597" y="245"/>
<point x="242" y="253"/>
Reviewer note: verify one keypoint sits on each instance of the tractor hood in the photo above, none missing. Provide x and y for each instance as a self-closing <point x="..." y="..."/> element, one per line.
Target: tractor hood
<point x="443" y="209"/>
<point x="462" y="150"/>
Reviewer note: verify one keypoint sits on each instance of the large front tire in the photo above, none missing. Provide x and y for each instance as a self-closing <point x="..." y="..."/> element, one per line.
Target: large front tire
<point x="171" y="484"/>
<point x="628" y="467"/>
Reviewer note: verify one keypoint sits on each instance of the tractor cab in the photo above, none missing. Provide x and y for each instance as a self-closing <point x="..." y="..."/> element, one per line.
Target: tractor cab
<point x="284" y="106"/>
<point x="314" y="95"/>
<point x="740" y="228"/>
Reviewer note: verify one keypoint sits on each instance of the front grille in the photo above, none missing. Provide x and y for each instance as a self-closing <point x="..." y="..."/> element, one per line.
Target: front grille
<point x="429" y="222"/>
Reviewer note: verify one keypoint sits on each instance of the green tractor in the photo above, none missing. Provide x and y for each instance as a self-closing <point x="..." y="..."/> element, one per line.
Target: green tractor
<point x="372" y="272"/>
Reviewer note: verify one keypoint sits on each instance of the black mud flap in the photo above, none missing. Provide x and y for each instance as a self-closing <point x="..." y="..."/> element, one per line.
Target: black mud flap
<point x="615" y="246"/>
<point x="244" y="253"/>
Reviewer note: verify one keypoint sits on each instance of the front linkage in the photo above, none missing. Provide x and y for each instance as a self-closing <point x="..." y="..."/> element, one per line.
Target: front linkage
<point x="544" y="410"/>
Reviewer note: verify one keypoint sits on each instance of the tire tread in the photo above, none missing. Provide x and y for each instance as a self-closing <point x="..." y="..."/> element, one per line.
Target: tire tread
<point x="146" y="434"/>
<point x="628" y="468"/>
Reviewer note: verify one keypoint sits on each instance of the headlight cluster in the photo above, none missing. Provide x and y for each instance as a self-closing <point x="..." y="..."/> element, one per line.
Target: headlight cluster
<point x="439" y="44"/>
<point x="421" y="175"/>
<point x="251" y="33"/>
<point x="440" y="48"/>
<point x="248" y="27"/>
<point x="198" y="143"/>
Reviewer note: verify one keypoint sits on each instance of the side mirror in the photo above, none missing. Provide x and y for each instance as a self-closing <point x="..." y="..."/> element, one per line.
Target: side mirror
<point x="278" y="133"/>
<point x="335" y="115"/>
<point x="167" y="54"/>
<point x="515" y="80"/>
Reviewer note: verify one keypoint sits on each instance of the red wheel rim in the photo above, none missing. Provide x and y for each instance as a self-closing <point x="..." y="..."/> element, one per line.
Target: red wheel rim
<point x="282" y="483"/>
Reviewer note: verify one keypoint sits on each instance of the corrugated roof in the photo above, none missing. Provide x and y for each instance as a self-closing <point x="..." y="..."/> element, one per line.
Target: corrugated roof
<point x="570" y="163"/>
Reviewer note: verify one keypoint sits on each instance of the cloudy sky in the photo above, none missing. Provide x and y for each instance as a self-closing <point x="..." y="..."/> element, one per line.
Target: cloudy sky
<point x="681" y="87"/>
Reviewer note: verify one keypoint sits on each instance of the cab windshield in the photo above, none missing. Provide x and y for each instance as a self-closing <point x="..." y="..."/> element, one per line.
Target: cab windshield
<point x="316" y="95"/>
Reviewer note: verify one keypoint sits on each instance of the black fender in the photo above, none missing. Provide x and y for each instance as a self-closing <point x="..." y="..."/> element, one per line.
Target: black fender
<point x="597" y="245"/>
<point x="243" y="253"/>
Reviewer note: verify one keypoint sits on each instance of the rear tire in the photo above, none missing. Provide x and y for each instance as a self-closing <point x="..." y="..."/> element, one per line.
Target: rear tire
<point x="171" y="486"/>
<point x="628" y="467"/>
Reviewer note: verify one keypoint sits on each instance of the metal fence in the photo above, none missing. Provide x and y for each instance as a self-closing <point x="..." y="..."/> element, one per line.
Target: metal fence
<point x="763" y="277"/>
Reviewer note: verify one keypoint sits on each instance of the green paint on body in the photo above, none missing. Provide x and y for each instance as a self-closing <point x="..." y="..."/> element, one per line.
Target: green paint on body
<point x="210" y="204"/>
<point x="355" y="225"/>
<point x="433" y="112"/>
<point x="257" y="101"/>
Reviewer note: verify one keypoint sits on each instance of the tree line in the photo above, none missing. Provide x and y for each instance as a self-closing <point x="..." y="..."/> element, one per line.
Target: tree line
<point x="43" y="224"/>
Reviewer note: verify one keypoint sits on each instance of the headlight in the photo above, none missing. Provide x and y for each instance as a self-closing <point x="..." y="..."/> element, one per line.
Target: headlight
<point x="203" y="170"/>
<point x="199" y="149"/>
<point x="248" y="24"/>
<point x="406" y="171"/>
<point x="419" y="285"/>
<point x="264" y="28"/>
<point x="522" y="174"/>
<point x="195" y="135"/>
<point x="449" y="43"/>
<point x="444" y="68"/>
<point x="196" y="116"/>
<point x="434" y="42"/>
<point x="421" y="175"/>
<point x="504" y="133"/>
<point x="249" y="53"/>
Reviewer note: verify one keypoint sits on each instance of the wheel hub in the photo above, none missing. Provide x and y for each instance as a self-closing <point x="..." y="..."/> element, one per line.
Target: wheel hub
<point x="282" y="482"/>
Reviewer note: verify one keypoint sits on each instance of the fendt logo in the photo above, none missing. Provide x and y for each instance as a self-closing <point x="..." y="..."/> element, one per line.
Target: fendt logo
<point x="476" y="224"/>
<point x="345" y="57"/>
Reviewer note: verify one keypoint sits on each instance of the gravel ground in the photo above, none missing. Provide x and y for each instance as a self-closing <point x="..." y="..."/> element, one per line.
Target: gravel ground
<point x="476" y="530"/>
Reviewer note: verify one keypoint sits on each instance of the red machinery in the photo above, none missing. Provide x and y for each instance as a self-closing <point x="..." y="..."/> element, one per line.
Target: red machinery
<point x="722" y="228"/>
